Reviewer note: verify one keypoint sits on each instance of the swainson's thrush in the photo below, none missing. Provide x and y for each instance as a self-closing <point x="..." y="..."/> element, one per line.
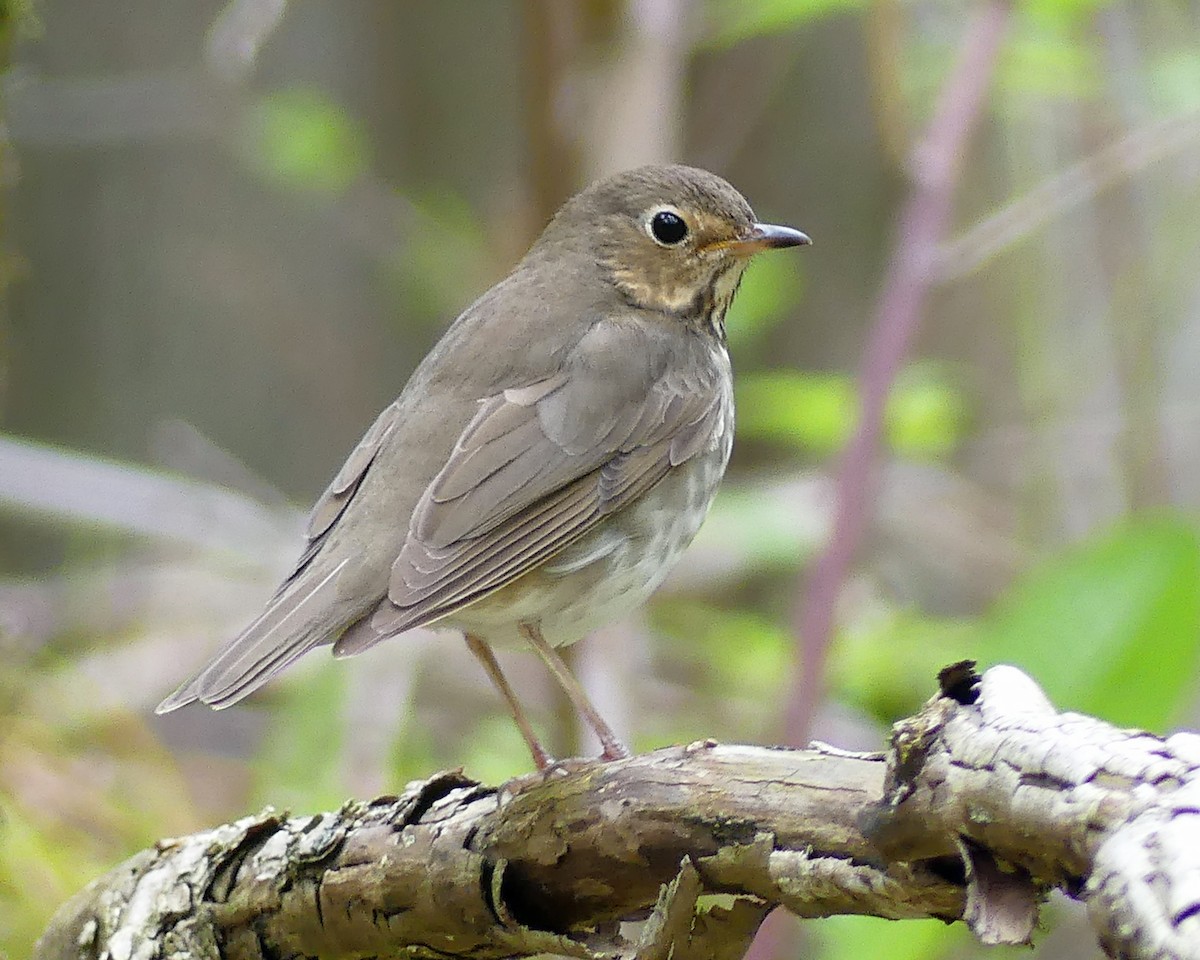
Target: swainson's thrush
<point x="547" y="462"/>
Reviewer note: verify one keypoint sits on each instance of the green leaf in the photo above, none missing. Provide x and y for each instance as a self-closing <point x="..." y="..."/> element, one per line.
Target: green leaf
<point x="1112" y="626"/>
<point x="856" y="938"/>
<point x="1049" y="65"/>
<point x="1061" y="12"/>
<point x="302" y="140"/>
<point x="1052" y="54"/>
<point x="731" y="21"/>
<point x="446" y="255"/>
<point x="812" y="410"/>
<point x="743" y="653"/>
<point x="495" y="751"/>
<point x="39" y="868"/>
<point x="745" y="521"/>
<point x="885" y="662"/>
<point x="926" y="415"/>
<point x="769" y="288"/>
<point x="738" y="658"/>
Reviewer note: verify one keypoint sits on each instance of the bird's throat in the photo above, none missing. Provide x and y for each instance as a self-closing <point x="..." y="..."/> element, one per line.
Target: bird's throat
<point x="721" y="293"/>
<point x="699" y="303"/>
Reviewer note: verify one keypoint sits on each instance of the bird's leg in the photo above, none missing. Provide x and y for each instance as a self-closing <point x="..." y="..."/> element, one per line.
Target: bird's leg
<point x="614" y="749"/>
<point x="483" y="653"/>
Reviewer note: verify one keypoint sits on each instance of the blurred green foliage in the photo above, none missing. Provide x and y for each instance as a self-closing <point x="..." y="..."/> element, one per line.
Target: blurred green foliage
<point x="855" y="938"/>
<point x="1049" y="62"/>
<point x="736" y="20"/>
<point x="1110" y="626"/>
<point x="76" y="787"/>
<point x="817" y="412"/>
<point x="771" y="288"/>
<point x="1175" y="81"/>
<point x="810" y="411"/>
<point x="926" y="414"/>
<point x="1061" y="11"/>
<point x="883" y="661"/>
<point x="430" y="281"/>
<point x="493" y="752"/>
<point x="743" y="517"/>
<point x="300" y="139"/>
<point x="18" y="18"/>
<point x="299" y="765"/>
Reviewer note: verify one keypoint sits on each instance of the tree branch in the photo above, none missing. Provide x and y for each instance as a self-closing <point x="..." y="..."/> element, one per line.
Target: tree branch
<point x="987" y="799"/>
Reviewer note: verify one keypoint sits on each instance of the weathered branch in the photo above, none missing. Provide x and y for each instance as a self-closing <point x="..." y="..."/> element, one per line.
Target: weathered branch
<point x="988" y="798"/>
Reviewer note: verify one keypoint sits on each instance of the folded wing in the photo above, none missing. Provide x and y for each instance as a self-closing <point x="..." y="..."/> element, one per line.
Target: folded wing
<point x="536" y="469"/>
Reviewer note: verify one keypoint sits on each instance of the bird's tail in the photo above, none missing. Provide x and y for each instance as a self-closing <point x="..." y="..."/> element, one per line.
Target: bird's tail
<point x="303" y="616"/>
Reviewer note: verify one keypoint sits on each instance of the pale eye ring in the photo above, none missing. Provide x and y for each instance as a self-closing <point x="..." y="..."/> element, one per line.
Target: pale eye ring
<point x="667" y="228"/>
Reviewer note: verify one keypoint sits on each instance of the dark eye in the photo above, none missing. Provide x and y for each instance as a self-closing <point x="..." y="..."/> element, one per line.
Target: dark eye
<point x="668" y="228"/>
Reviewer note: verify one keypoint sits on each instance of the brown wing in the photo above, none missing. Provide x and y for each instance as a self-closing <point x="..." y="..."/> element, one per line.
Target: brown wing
<point x="337" y="496"/>
<point x="535" y="469"/>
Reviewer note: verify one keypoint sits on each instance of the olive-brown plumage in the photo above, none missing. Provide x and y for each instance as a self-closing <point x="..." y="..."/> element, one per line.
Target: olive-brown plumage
<point x="549" y="459"/>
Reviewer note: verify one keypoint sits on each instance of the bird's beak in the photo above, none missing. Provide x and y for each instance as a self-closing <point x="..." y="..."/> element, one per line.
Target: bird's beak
<point x="768" y="236"/>
<point x="760" y="237"/>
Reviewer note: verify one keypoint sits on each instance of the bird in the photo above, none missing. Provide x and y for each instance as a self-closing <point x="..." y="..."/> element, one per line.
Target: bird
<point x="547" y="462"/>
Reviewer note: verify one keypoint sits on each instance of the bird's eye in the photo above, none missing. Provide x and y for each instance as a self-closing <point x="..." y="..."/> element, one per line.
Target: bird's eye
<point x="668" y="228"/>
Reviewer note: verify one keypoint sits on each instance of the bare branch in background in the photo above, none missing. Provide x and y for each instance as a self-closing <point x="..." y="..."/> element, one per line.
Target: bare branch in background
<point x="912" y="273"/>
<point x="551" y="38"/>
<point x="138" y="500"/>
<point x="628" y="110"/>
<point x="987" y="774"/>
<point x="635" y="115"/>
<point x="1076" y="185"/>
<point x="238" y="34"/>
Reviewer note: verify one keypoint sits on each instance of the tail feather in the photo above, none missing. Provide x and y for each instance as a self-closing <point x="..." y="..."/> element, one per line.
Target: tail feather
<point x="296" y="621"/>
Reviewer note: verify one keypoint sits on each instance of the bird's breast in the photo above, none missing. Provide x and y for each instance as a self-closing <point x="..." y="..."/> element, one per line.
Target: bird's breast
<point x="614" y="567"/>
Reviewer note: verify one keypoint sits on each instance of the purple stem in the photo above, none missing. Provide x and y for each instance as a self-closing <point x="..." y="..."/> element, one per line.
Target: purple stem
<point x="912" y="272"/>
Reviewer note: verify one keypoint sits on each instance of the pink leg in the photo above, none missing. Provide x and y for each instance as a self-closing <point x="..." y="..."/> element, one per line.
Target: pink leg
<point x="614" y="749"/>
<point x="483" y="653"/>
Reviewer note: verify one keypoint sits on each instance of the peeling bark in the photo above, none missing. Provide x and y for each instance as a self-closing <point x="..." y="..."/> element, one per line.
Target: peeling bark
<point x="988" y="799"/>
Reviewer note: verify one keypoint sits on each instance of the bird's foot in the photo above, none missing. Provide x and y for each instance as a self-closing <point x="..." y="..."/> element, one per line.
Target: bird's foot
<point x="614" y="749"/>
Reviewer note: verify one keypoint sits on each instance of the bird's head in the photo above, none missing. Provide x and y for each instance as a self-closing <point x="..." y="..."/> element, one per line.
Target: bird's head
<point x="672" y="239"/>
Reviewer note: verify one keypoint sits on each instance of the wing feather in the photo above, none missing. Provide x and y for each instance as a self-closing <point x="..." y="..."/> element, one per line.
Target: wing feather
<point x="537" y="467"/>
<point x="342" y="488"/>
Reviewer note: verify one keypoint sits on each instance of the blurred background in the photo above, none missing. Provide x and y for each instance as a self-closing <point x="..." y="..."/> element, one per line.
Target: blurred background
<point x="968" y="415"/>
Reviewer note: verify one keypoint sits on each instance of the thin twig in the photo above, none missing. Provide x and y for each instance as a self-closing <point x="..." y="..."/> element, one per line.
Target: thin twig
<point x="911" y="274"/>
<point x="1079" y="183"/>
<point x="238" y="34"/>
<point x="75" y="487"/>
